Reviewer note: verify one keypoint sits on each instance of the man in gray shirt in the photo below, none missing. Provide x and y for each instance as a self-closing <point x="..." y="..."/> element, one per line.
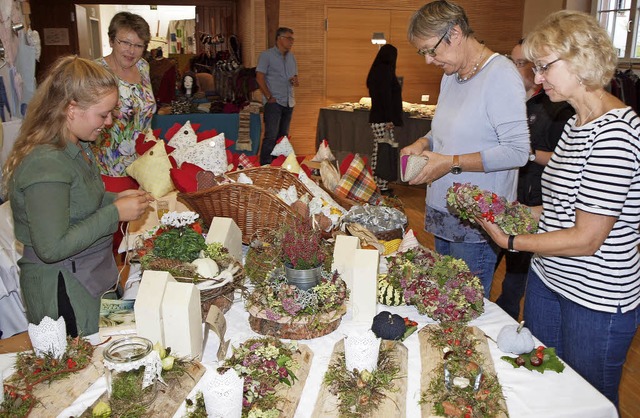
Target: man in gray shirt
<point x="277" y="75"/>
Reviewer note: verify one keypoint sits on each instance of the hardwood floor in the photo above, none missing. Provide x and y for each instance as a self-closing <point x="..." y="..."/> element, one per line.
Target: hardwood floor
<point x="413" y="200"/>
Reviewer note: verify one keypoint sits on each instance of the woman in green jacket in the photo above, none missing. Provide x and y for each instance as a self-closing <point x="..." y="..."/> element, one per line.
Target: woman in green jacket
<point x="61" y="212"/>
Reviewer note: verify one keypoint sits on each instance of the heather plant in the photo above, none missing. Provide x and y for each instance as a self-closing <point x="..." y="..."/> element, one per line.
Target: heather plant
<point x="302" y="246"/>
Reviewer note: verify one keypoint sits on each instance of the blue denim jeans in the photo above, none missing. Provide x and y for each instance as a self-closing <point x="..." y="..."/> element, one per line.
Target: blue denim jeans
<point x="480" y="257"/>
<point x="277" y="119"/>
<point x="593" y="343"/>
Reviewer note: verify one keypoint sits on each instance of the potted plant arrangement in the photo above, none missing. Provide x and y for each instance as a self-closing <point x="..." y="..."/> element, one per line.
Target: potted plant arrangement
<point x="178" y="246"/>
<point x="303" y="254"/>
<point x="281" y="309"/>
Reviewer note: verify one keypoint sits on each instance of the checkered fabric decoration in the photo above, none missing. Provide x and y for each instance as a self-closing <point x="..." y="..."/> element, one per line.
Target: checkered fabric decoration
<point x="358" y="183"/>
<point x="245" y="162"/>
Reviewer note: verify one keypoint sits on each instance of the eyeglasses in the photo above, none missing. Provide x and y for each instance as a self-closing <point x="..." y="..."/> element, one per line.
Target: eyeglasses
<point x="432" y="51"/>
<point x="129" y="45"/>
<point x="541" y="69"/>
<point x="291" y="38"/>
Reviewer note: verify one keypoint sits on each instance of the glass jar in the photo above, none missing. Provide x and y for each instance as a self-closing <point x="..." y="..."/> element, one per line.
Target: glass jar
<point x="133" y="359"/>
<point x="462" y="374"/>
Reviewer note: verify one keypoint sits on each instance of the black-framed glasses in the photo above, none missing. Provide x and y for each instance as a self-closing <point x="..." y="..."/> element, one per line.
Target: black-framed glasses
<point x="291" y="38"/>
<point x="432" y="51"/>
<point x="541" y="69"/>
<point x="129" y="45"/>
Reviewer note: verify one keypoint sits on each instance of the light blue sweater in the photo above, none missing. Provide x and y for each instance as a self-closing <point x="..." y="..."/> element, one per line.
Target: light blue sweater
<point x="487" y="114"/>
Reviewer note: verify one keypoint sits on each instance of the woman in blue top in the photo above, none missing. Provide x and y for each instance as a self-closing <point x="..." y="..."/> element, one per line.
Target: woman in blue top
<point x="479" y="132"/>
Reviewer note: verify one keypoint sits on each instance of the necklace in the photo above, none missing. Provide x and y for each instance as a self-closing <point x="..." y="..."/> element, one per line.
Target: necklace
<point x="474" y="70"/>
<point x="586" y="119"/>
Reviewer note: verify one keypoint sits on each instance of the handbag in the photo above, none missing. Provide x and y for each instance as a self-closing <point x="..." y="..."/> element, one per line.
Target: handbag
<point x="411" y="166"/>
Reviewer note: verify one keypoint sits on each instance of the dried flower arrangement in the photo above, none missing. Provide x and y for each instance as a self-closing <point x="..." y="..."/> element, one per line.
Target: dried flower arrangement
<point x="361" y="393"/>
<point x="470" y="202"/>
<point x="460" y="399"/>
<point x="32" y="370"/>
<point x="439" y="286"/>
<point x="129" y="399"/>
<point x="265" y="363"/>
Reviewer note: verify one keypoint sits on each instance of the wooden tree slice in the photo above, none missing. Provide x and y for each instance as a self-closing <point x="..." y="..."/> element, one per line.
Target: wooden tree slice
<point x="295" y="329"/>
<point x="290" y="395"/>
<point x="431" y="358"/>
<point x="53" y="398"/>
<point x="394" y="404"/>
<point x="169" y="398"/>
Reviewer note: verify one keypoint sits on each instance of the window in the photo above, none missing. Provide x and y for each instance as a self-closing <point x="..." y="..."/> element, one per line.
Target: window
<point x="620" y="19"/>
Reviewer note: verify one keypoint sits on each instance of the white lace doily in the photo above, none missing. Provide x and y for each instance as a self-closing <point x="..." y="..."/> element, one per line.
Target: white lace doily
<point x="50" y="337"/>
<point x="361" y="351"/>
<point x="151" y="363"/>
<point x="223" y="394"/>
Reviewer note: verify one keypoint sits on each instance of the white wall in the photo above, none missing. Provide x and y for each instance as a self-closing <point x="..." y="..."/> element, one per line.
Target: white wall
<point x="536" y="10"/>
<point x="158" y="19"/>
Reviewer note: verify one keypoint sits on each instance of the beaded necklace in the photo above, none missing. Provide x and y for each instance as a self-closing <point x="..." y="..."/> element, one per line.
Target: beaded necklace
<point x="474" y="70"/>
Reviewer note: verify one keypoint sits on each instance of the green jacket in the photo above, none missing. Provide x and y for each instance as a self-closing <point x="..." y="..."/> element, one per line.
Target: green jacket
<point x="60" y="208"/>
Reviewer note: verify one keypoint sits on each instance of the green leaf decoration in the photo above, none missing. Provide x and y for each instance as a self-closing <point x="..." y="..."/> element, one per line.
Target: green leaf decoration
<point x="550" y="361"/>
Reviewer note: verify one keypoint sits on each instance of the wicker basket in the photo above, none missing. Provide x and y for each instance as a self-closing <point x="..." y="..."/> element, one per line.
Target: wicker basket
<point x="272" y="178"/>
<point x="252" y="206"/>
<point x="223" y="296"/>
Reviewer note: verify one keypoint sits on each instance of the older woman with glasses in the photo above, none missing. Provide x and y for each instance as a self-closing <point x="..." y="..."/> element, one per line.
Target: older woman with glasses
<point x="129" y="36"/>
<point x="479" y="132"/>
<point x="583" y="291"/>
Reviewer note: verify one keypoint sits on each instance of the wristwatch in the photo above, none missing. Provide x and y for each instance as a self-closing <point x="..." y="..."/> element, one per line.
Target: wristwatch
<point x="532" y="155"/>
<point x="455" y="167"/>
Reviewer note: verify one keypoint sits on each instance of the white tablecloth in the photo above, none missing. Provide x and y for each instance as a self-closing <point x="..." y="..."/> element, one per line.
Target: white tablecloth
<point x="528" y="394"/>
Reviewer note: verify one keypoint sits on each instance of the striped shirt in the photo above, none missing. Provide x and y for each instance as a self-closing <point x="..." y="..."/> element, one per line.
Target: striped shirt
<point x="596" y="169"/>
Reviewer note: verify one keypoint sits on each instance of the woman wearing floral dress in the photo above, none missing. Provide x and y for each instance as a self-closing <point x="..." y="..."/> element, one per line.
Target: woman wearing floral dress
<point x="129" y="36"/>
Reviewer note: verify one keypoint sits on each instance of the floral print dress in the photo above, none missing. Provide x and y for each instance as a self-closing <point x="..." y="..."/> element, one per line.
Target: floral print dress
<point x="115" y="148"/>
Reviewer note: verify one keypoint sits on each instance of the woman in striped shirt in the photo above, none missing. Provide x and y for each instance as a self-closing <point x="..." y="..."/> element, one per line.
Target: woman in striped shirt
<point x="583" y="291"/>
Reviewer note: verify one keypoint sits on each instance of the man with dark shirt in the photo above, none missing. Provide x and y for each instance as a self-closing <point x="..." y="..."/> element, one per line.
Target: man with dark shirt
<point x="546" y="123"/>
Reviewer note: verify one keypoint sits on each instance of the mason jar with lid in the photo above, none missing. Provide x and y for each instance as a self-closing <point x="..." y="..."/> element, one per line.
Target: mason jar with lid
<point x="133" y="355"/>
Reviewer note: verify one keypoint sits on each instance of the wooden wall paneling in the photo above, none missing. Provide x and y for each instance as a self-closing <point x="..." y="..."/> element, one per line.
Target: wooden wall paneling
<point x="306" y="18"/>
<point x="350" y="51"/>
<point x="272" y="20"/>
<point x="418" y="77"/>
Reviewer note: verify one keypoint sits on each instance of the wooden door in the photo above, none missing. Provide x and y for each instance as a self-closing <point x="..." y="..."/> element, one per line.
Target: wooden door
<point x="84" y="37"/>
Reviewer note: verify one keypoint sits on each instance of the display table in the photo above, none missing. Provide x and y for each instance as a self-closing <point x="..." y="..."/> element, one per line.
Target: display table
<point x="350" y="131"/>
<point x="228" y="123"/>
<point x="528" y="394"/>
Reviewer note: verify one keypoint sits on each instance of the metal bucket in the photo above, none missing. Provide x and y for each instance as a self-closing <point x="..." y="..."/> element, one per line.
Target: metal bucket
<point x="303" y="279"/>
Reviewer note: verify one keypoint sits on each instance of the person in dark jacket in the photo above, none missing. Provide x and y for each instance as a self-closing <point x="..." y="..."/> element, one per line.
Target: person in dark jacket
<point x="386" y="113"/>
<point x="546" y="121"/>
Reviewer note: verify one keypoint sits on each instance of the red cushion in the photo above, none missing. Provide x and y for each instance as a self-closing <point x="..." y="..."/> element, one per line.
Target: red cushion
<point x="201" y="136"/>
<point x="142" y="147"/>
<point x="119" y="184"/>
<point x="184" y="178"/>
<point x="306" y="169"/>
<point x="278" y="161"/>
